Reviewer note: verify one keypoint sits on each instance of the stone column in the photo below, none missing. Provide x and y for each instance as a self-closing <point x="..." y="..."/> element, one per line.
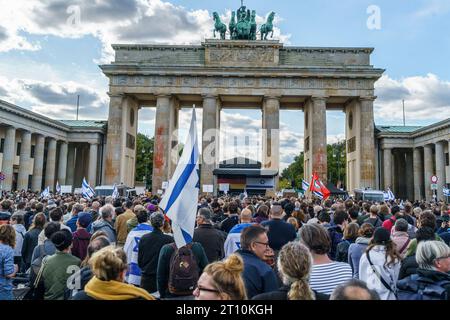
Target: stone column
<point x="210" y="140"/>
<point x="93" y="159"/>
<point x="440" y="168"/>
<point x="318" y="137"/>
<point x="418" y="174"/>
<point x="70" y="164"/>
<point x="428" y="168"/>
<point x="24" y="162"/>
<point x="409" y="175"/>
<point x="367" y="146"/>
<point x="51" y="164"/>
<point x="62" y="163"/>
<point x="271" y="136"/>
<point x="162" y="142"/>
<point x="9" y="153"/>
<point x="114" y="140"/>
<point x="387" y="167"/>
<point x="174" y="152"/>
<point x="36" y="181"/>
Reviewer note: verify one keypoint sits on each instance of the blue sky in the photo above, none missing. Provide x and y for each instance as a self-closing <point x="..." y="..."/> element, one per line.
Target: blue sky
<point x="45" y="61"/>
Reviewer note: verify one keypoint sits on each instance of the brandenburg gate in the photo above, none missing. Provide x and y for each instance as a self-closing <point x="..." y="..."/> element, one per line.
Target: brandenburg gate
<point x="240" y="73"/>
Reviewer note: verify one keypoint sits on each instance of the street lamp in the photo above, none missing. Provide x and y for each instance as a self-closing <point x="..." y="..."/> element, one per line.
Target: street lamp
<point x="145" y="165"/>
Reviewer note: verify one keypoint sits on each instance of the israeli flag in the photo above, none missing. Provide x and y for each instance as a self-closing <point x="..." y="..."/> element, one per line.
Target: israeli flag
<point x="318" y="194"/>
<point x="180" y="199"/>
<point x="388" y="195"/>
<point x="115" y="193"/>
<point x="45" y="193"/>
<point x="86" y="190"/>
<point x="58" y="188"/>
<point x="305" y="185"/>
<point x="446" y="191"/>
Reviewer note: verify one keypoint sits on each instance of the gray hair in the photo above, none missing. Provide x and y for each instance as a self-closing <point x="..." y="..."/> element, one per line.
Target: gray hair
<point x="429" y="251"/>
<point x="205" y="213"/>
<point x="157" y="219"/>
<point x="107" y="211"/>
<point x="401" y="225"/>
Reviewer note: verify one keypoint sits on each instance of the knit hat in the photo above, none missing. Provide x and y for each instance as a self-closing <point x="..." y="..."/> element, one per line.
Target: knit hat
<point x="84" y="219"/>
<point x="381" y="236"/>
<point x="151" y="207"/>
<point x="62" y="239"/>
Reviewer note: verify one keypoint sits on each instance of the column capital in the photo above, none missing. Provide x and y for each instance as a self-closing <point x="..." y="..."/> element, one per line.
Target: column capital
<point x="115" y="95"/>
<point x="163" y="95"/>
<point x="210" y="96"/>
<point x="319" y="98"/>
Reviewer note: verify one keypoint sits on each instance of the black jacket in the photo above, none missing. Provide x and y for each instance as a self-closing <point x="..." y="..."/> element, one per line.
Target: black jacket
<point x="149" y="248"/>
<point x="280" y="232"/>
<point x="409" y="266"/>
<point x="342" y="250"/>
<point x="282" y="293"/>
<point x="212" y="241"/>
<point x="30" y="241"/>
<point x="426" y="276"/>
<point x="227" y="224"/>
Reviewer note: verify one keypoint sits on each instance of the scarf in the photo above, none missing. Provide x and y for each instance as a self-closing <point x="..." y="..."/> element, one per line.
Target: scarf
<point x="115" y="290"/>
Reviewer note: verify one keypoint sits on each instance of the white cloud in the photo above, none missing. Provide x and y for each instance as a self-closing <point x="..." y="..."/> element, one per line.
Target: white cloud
<point x="433" y="8"/>
<point x="426" y="98"/>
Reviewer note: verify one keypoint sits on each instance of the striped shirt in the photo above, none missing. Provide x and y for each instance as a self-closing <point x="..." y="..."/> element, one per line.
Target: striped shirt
<point x="326" y="277"/>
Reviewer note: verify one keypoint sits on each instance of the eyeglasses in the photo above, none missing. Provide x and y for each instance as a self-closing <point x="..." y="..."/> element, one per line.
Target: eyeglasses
<point x="263" y="243"/>
<point x="207" y="289"/>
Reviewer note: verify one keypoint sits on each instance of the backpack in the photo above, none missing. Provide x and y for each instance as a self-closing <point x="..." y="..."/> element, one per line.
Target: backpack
<point x="416" y="287"/>
<point x="37" y="263"/>
<point x="184" y="271"/>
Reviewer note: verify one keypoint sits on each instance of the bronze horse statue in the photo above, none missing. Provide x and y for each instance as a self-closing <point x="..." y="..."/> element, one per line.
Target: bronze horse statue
<point x="267" y="27"/>
<point x="219" y="26"/>
<point x="253" y="26"/>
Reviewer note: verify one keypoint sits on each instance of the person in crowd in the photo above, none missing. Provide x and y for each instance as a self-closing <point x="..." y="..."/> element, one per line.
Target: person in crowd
<point x="279" y="231"/>
<point x="105" y="223"/>
<point x="432" y="280"/>
<point x="109" y="267"/>
<point x="444" y="229"/>
<point x="210" y="238"/>
<point x="374" y="218"/>
<point x="354" y="290"/>
<point x="5" y="214"/>
<point x="95" y="210"/>
<point x="232" y="219"/>
<point x="45" y="249"/>
<point x="131" y="247"/>
<point x="58" y="267"/>
<point x="72" y="222"/>
<point x="258" y="276"/>
<point x="388" y="224"/>
<point x="121" y="223"/>
<point x="165" y="268"/>
<point x="8" y="269"/>
<point x="133" y="222"/>
<point x="294" y="222"/>
<point x="379" y="266"/>
<point x="326" y="274"/>
<point x="353" y="214"/>
<point x="30" y="241"/>
<point x="365" y="214"/>
<point x="82" y="237"/>
<point x="55" y="215"/>
<point x="262" y="214"/>
<point x="401" y="236"/>
<point x="350" y="236"/>
<point x="83" y="275"/>
<point x="294" y="266"/>
<point x="426" y="219"/>
<point x="149" y="250"/>
<point x="356" y="250"/>
<point x="222" y="280"/>
<point x="409" y="264"/>
<point x="233" y="240"/>
<point x="336" y="231"/>
<point x="324" y="219"/>
<point x="315" y="213"/>
<point x="18" y="224"/>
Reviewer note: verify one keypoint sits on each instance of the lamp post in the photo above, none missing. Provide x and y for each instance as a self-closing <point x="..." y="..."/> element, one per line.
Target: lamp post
<point x="145" y="165"/>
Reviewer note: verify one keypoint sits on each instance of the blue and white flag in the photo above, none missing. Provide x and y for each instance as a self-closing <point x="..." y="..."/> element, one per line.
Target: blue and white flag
<point x="180" y="199"/>
<point x="388" y="195"/>
<point x="45" y="193"/>
<point x="131" y="249"/>
<point x="115" y="193"/>
<point x="446" y="191"/>
<point x="58" y="188"/>
<point x="318" y="194"/>
<point x="305" y="185"/>
<point x="233" y="241"/>
<point x="86" y="190"/>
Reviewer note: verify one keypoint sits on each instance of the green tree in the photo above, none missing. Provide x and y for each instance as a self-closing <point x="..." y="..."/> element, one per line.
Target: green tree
<point x="294" y="173"/>
<point x="144" y="158"/>
<point x="284" y="183"/>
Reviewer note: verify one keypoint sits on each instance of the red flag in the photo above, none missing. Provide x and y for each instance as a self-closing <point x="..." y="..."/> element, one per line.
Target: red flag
<point x="318" y="188"/>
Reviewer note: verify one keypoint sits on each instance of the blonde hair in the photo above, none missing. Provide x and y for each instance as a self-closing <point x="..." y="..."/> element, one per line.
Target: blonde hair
<point x="294" y="264"/>
<point x="294" y="222"/>
<point x="226" y="276"/>
<point x="108" y="263"/>
<point x="8" y="235"/>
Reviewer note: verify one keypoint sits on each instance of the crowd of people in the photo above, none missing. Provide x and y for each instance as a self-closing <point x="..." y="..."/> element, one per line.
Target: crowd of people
<point x="66" y="247"/>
